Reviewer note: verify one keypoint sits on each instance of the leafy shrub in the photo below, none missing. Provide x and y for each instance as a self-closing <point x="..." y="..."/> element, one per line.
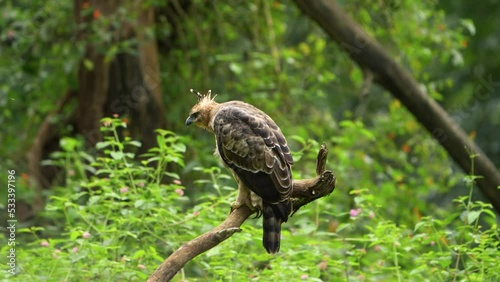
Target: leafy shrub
<point x="118" y="219"/>
<point x="115" y="219"/>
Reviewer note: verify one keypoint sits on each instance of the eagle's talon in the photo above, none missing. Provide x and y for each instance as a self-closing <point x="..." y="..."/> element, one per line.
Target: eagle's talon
<point x="239" y="204"/>
<point x="236" y="205"/>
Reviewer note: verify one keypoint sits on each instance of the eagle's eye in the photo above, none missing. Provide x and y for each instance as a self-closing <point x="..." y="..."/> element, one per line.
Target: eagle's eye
<point x="195" y="115"/>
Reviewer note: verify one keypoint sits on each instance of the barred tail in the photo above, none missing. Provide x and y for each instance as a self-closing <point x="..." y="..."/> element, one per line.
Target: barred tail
<point x="273" y="215"/>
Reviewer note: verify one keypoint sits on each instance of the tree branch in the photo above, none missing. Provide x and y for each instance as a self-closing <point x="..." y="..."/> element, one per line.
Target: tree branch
<point x="304" y="192"/>
<point x="369" y="54"/>
<point x="47" y="129"/>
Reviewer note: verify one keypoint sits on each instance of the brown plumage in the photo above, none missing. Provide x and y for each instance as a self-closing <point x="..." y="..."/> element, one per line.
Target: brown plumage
<point x="253" y="147"/>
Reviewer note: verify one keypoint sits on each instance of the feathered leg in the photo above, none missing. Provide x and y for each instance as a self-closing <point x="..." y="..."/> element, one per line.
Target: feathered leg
<point x="247" y="198"/>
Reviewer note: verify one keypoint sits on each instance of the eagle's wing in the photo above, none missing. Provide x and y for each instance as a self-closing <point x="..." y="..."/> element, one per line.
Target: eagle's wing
<point x="252" y="145"/>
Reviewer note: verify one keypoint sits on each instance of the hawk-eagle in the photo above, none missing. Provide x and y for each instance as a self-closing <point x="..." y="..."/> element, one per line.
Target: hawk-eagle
<point x="252" y="146"/>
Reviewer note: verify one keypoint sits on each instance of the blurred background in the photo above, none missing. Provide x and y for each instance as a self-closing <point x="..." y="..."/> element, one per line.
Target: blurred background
<point x="65" y="65"/>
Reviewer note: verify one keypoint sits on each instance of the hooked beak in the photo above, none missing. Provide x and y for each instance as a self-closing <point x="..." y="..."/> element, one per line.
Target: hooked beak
<point x="189" y="120"/>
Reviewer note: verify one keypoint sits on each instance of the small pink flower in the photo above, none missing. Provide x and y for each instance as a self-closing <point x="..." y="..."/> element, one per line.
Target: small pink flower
<point x="179" y="192"/>
<point x="71" y="172"/>
<point x="124" y="189"/>
<point x="304" y="276"/>
<point x="86" y="235"/>
<point x="44" y="244"/>
<point x="354" y="212"/>
<point x="371" y="215"/>
<point x="141" y="266"/>
<point x="115" y="115"/>
<point x="140" y="184"/>
<point x="196" y="213"/>
<point x="376" y="248"/>
<point x="57" y="251"/>
<point x="432" y="243"/>
<point x="177" y="181"/>
<point x="74" y="250"/>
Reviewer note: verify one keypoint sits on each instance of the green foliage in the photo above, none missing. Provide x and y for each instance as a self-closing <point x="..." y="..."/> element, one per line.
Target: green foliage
<point x="117" y="219"/>
<point x="392" y="216"/>
<point x="37" y="66"/>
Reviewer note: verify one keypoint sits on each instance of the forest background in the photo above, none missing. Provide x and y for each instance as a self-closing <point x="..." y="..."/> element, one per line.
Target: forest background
<point x="109" y="181"/>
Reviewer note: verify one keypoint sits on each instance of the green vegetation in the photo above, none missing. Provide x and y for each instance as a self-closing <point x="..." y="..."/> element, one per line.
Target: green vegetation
<point x="121" y="221"/>
<point x="402" y="211"/>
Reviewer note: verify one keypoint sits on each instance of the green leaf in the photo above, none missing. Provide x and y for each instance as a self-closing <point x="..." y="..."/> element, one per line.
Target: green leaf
<point x="78" y="195"/>
<point x="469" y="25"/>
<point x="490" y="212"/>
<point x="343" y="226"/>
<point x="79" y="256"/>
<point x="69" y="144"/>
<point x="139" y="203"/>
<point x="138" y="254"/>
<point x="135" y="143"/>
<point x="30" y="230"/>
<point x="102" y="145"/>
<point x="94" y="200"/>
<point x="131" y="234"/>
<point x="130" y="155"/>
<point x="418" y="225"/>
<point x="74" y="234"/>
<point x="116" y="155"/>
<point x="89" y="158"/>
<point x="472" y="216"/>
<point x="150" y="160"/>
<point x="299" y="139"/>
<point x="179" y="147"/>
<point x="89" y="65"/>
<point x="236" y="68"/>
<point x="172" y="174"/>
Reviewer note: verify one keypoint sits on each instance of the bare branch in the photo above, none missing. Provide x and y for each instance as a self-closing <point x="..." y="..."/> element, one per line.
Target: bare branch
<point x="370" y="55"/>
<point x="46" y="131"/>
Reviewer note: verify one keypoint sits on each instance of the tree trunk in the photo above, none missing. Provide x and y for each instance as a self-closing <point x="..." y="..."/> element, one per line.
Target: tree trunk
<point x="126" y="84"/>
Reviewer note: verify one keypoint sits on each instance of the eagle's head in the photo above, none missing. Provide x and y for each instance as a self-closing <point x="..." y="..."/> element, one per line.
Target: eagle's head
<point x="202" y="113"/>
